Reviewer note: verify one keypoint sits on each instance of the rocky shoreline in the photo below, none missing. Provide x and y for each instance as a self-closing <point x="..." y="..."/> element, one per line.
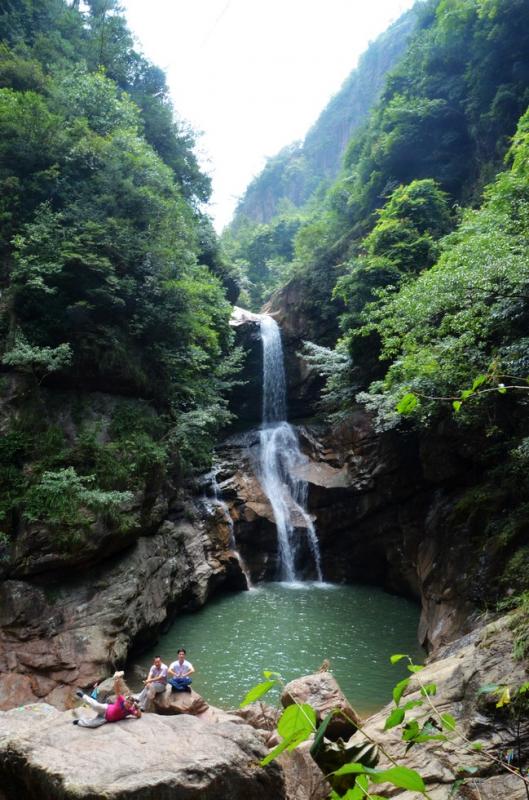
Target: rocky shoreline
<point x="185" y="749"/>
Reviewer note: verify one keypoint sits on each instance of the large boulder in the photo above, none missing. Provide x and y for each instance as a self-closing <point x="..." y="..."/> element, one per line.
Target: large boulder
<point x="482" y="658"/>
<point x="303" y="778"/>
<point x="170" y="702"/>
<point x="259" y="715"/>
<point x="44" y="757"/>
<point x="321" y="691"/>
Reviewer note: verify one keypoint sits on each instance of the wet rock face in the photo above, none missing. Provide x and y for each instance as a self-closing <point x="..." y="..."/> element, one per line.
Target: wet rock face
<point x="54" y="637"/>
<point x="483" y="657"/>
<point x="381" y="516"/>
<point x="304" y="385"/>
<point x="247" y="399"/>
<point x="42" y="755"/>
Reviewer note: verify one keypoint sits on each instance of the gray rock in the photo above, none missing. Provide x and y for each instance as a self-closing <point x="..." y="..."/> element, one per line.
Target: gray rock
<point x="458" y="677"/>
<point x="303" y="779"/>
<point x="44" y="757"/>
<point x="322" y="692"/>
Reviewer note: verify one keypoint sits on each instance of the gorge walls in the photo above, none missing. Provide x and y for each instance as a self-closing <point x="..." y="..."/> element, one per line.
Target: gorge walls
<point x="388" y="508"/>
<point x="74" y="599"/>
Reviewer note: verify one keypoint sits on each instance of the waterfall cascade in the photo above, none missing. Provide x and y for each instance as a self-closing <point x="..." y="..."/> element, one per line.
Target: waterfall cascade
<point x="220" y="503"/>
<point x="280" y="457"/>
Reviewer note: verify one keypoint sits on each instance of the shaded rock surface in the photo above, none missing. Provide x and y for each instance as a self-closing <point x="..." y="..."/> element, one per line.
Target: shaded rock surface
<point x="303" y="779"/>
<point x="383" y="514"/>
<point x="321" y="691"/>
<point x="44" y="757"/>
<point x="483" y="657"/>
<point x="70" y="633"/>
<point x="246" y="401"/>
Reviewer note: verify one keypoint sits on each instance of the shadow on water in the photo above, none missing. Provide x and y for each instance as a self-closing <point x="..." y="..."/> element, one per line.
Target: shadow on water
<point x="290" y="628"/>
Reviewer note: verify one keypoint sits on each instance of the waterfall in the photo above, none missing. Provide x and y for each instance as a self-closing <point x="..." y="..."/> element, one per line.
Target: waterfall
<point x="220" y="503"/>
<point x="280" y="457"/>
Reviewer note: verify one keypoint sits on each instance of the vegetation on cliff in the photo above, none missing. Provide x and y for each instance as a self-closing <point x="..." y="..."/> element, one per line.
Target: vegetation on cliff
<point x="260" y="239"/>
<point x="416" y="259"/>
<point x="110" y="277"/>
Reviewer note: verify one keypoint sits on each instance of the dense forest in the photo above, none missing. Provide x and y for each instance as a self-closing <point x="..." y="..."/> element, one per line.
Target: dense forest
<point x="413" y="265"/>
<point x="110" y="276"/>
<point x="392" y="245"/>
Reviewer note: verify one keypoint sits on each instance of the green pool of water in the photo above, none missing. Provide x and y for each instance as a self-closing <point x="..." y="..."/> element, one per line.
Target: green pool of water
<point x="290" y="629"/>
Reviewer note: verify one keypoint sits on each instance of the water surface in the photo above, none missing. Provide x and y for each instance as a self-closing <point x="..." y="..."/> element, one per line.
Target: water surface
<point x="290" y="629"/>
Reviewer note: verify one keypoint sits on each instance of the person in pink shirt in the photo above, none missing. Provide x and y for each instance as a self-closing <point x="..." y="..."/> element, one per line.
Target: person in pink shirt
<point x="108" y="712"/>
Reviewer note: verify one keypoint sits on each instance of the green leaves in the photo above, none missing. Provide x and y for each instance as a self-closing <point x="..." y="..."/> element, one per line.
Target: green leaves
<point x="257" y="692"/>
<point x="297" y="720"/>
<point x="395" y="718"/>
<point x="402" y="777"/>
<point x="448" y="722"/>
<point x="296" y="724"/>
<point x="407" y="404"/>
<point x="398" y="690"/>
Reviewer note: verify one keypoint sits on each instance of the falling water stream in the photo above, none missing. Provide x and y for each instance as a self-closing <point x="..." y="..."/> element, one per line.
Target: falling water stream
<point x="280" y="458"/>
<point x="219" y="502"/>
<point x="291" y="626"/>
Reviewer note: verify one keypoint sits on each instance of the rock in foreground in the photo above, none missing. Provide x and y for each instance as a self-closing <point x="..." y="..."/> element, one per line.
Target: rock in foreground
<point x="481" y="658"/>
<point x="44" y="757"/>
<point x="321" y="691"/>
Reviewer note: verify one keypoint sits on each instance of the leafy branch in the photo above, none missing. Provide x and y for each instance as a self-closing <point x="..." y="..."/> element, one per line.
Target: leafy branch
<point x="298" y="722"/>
<point x="409" y="402"/>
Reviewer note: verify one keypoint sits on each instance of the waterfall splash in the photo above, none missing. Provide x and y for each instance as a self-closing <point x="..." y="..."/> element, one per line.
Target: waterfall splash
<point x="280" y="457"/>
<point x="219" y="502"/>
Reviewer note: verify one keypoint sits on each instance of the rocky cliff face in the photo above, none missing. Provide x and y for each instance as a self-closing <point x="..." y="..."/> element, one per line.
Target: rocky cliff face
<point x="378" y="518"/>
<point x="58" y="634"/>
<point x="459" y="768"/>
<point x="388" y="507"/>
<point x="71" y="607"/>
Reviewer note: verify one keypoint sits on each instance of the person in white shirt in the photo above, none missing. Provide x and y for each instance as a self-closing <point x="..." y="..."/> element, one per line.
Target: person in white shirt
<point x="156" y="682"/>
<point x="180" y="672"/>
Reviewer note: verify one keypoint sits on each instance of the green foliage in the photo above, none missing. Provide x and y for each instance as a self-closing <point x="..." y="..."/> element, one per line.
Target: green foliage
<point x="336" y="367"/>
<point x="520" y="617"/>
<point x="465" y="314"/>
<point x="295" y="725"/>
<point x="63" y="500"/>
<point x="403" y="241"/>
<point x="111" y="280"/>
<point x="38" y="360"/>
<point x="262" y="254"/>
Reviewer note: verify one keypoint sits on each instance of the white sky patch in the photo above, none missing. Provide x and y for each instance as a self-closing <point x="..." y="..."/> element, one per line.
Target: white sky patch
<point x="253" y="76"/>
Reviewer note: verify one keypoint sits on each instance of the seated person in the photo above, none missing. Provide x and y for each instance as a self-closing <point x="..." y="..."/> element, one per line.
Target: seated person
<point x="180" y="672"/>
<point x="156" y="682"/>
<point x="108" y="712"/>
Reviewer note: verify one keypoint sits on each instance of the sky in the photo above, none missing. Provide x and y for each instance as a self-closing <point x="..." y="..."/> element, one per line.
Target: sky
<point x="253" y="76"/>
